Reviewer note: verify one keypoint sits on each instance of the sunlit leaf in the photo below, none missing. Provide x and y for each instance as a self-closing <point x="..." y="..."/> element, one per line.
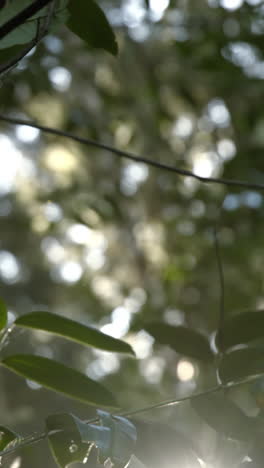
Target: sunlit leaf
<point x="73" y="330"/>
<point x="123" y="437"/>
<point x="242" y="328"/>
<point x="7" y="437"/>
<point x="71" y="439"/>
<point x="3" y="314"/>
<point x="182" y="339"/>
<point x="57" y="377"/>
<point x="240" y="364"/>
<point x="89" y="22"/>
<point x="223" y="416"/>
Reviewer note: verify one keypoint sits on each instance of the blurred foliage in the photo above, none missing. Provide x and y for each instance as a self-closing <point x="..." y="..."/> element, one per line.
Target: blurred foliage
<point x="119" y="245"/>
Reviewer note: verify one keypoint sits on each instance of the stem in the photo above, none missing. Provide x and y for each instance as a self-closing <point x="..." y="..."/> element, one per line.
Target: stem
<point x="175" y="401"/>
<point x="133" y="157"/>
<point x="22" y="16"/>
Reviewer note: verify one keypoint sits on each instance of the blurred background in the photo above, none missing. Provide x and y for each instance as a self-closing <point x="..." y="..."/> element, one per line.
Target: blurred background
<point x="116" y="244"/>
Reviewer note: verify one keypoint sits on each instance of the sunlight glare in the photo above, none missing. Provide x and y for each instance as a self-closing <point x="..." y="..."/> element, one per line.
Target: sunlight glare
<point x="185" y="370"/>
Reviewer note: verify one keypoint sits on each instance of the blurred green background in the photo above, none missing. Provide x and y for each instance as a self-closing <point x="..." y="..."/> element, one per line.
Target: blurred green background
<point x="113" y="243"/>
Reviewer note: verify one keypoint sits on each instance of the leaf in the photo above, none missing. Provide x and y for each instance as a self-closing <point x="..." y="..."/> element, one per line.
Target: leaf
<point x="240" y="364"/>
<point x="123" y="437"/>
<point x="73" y="331"/>
<point x="3" y="314"/>
<point x="89" y="22"/>
<point x="57" y="377"/>
<point x="7" y="438"/>
<point x="65" y="440"/>
<point x="27" y="31"/>
<point x="181" y="339"/>
<point x="242" y="328"/>
<point x="223" y="416"/>
<point x="71" y="439"/>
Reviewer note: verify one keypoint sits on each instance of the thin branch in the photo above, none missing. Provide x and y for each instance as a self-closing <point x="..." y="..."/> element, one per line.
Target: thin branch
<point x="133" y="157"/>
<point x="22" y="16"/>
<point x="31" y="439"/>
<point x="222" y="290"/>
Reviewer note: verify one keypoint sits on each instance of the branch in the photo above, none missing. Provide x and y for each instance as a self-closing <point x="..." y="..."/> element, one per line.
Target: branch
<point x="31" y="439"/>
<point x="22" y="16"/>
<point x="133" y="157"/>
<point x="222" y="290"/>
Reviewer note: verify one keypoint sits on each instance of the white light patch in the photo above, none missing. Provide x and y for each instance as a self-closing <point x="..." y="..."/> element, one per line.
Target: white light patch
<point x="158" y="8"/>
<point x="185" y="370"/>
<point x="52" y="212"/>
<point x="11" y="164"/>
<point x="133" y="175"/>
<point x="9" y="267"/>
<point x="53" y="249"/>
<point x="33" y="385"/>
<point x="16" y="463"/>
<point x="120" y="323"/>
<point x="79" y="233"/>
<point x="226" y="149"/>
<point x="142" y="344"/>
<point x="95" y="259"/>
<point x="203" y="164"/>
<point x="231" y="4"/>
<point x="218" y="113"/>
<point x="27" y="134"/>
<point x="60" y="78"/>
<point x="183" y="127"/>
<point x="68" y="272"/>
<point x="133" y="13"/>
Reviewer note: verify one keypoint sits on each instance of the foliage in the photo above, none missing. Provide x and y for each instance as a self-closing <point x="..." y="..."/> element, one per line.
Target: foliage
<point x="122" y="254"/>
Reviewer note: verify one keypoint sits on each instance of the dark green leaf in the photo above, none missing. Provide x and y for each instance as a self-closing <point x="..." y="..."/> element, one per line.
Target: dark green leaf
<point x="57" y="377"/>
<point x="65" y="439"/>
<point x="181" y="339"/>
<point x="89" y="22"/>
<point x="73" y="330"/>
<point x="240" y="364"/>
<point x="7" y="438"/>
<point x="3" y="314"/>
<point x="242" y="328"/>
<point x="223" y="416"/>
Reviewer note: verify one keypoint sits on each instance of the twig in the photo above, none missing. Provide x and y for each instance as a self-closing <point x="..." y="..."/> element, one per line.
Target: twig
<point x="22" y="16"/>
<point x="133" y="157"/>
<point x="222" y="291"/>
<point x="175" y="401"/>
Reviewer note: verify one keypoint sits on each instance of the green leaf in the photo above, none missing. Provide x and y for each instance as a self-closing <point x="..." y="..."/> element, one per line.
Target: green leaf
<point x="73" y="331"/>
<point x="242" y="328"/>
<point x="223" y="416"/>
<point x="182" y="339"/>
<point x="89" y="22"/>
<point x="65" y="439"/>
<point x="57" y="377"/>
<point x="7" y="438"/>
<point x="3" y="314"/>
<point x="27" y="31"/>
<point x="240" y="364"/>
